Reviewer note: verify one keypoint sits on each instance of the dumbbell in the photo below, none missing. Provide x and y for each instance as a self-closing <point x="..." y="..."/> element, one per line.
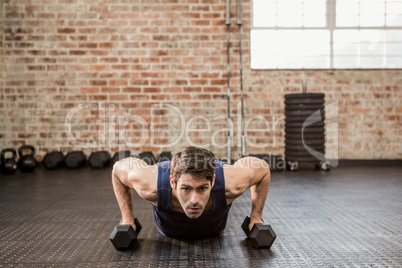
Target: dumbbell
<point x="124" y="236"/>
<point x="165" y="156"/>
<point x="8" y="165"/>
<point x="120" y="155"/>
<point x="53" y="160"/>
<point x="75" y="159"/>
<point x="261" y="234"/>
<point x="27" y="162"/>
<point x="148" y="157"/>
<point x="99" y="159"/>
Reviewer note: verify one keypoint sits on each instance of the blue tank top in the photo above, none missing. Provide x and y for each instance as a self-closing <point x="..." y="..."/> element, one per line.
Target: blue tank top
<point x="176" y="224"/>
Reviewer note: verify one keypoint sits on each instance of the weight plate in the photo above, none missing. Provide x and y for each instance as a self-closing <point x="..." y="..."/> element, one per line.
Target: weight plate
<point x="305" y="101"/>
<point x="316" y="147"/>
<point x="308" y="142"/>
<point x="300" y="125"/>
<point x="303" y="112"/>
<point x="302" y="153"/>
<point x="295" y="130"/>
<point x="304" y="95"/>
<point x="310" y="136"/>
<point x="302" y="119"/>
<point x="300" y="146"/>
<point x="301" y="106"/>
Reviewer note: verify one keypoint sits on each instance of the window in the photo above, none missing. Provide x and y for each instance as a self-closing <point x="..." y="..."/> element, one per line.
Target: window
<point x="319" y="34"/>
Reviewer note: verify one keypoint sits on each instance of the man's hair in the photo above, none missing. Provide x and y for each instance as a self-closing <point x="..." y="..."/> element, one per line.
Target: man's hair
<point x="198" y="162"/>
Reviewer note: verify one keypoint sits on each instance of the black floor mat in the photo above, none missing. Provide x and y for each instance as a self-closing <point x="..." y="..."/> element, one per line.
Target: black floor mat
<point x="350" y="216"/>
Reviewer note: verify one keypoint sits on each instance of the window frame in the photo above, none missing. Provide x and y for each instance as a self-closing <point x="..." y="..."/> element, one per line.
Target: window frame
<point x="331" y="27"/>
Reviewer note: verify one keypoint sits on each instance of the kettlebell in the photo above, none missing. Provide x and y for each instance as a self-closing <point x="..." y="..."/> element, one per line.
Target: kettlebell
<point x="27" y="162"/>
<point x="8" y="165"/>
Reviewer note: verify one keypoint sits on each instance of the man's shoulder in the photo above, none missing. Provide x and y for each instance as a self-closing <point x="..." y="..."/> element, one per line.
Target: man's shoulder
<point x="145" y="181"/>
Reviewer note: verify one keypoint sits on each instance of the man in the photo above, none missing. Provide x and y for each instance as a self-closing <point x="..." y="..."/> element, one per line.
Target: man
<point x="192" y="194"/>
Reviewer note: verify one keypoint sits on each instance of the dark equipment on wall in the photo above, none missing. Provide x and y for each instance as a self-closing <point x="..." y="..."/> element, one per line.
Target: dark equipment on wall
<point x="148" y="157"/>
<point x="124" y="236"/>
<point x="120" y="155"/>
<point x="27" y="161"/>
<point x="53" y="160"/>
<point x="75" y="159"/>
<point x="99" y="159"/>
<point x="305" y="129"/>
<point x="165" y="156"/>
<point x="8" y="164"/>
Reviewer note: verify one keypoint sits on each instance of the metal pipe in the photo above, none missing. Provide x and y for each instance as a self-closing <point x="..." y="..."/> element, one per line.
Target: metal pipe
<point x="229" y="136"/>
<point x="227" y="12"/>
<point x="239" y="24"/>
<point x="238" y="12"/>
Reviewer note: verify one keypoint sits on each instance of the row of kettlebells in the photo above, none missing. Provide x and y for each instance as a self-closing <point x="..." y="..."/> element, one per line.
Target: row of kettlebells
<point x="26" y="163"/>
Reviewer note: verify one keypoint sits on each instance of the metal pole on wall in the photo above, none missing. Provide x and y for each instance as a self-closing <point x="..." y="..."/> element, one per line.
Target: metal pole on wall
<point x="243" y="135"/>
<point x="229" y="137"/>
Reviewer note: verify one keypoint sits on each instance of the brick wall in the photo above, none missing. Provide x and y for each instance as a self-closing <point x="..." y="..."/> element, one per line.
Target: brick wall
<point x="151" y="75"/>
<point x="2" y="67"/>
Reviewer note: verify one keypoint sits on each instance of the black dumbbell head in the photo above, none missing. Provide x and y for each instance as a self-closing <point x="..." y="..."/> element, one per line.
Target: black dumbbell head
<point x="53" y="160"/>
<point x="262" y="235"/>
<point x="75" y="159"/>
<point x="99" y="159"/>
<point x="165" y="156"/>
<point x="120" y="155"/>
<point x="245" y="225"/>
<point x="148" y="157"/>
<point x="138" y="226"/>
<point x="123" y="237"/>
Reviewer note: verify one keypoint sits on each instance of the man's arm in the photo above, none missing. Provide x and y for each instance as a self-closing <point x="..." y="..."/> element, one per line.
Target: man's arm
<point x="253" y="173"/>
<point x="123" y="193"/>
<point x="259" y="191"/>
<point x="129" y="174"/>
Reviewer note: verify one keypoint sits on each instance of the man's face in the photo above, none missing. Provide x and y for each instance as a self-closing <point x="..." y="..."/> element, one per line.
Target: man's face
<point x="193" y="194"/>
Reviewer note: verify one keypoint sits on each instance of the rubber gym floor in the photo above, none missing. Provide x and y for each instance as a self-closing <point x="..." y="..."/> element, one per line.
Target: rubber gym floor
<point x="348" y="217"/>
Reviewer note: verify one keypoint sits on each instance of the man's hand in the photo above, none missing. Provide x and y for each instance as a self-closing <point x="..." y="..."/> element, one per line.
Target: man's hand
<point x="254" y="221"/>
<point x="129" y="221"/>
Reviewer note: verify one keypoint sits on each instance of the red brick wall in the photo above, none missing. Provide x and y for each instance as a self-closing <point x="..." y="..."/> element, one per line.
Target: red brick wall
<point x="2" y="69"/>
<point x="123" y="59"/>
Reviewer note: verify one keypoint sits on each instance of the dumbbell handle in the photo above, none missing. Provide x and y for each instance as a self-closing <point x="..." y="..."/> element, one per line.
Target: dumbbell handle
<point x="138" y="225"/>
<point x="245" y="225"/>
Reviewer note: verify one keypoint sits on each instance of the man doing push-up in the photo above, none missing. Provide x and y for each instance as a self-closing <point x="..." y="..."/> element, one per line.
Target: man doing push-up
<point x="192" y="194"/>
